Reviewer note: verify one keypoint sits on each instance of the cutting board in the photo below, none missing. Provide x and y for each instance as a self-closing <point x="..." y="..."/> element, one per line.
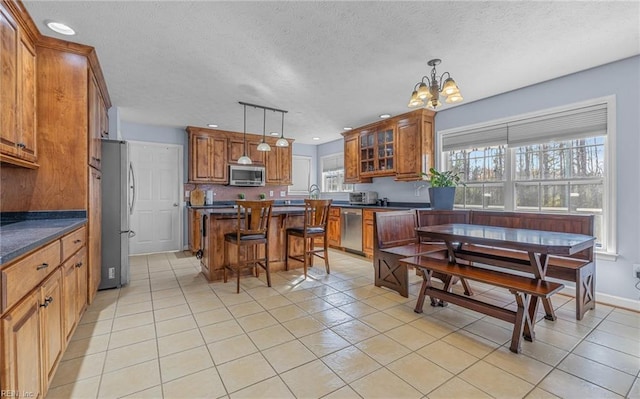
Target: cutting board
<point x="197" y="197"/>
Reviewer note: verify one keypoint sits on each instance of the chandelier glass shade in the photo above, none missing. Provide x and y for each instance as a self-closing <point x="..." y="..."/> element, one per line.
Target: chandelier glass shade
<point x="282" y="142"/>
<point x="429" y="90"/>
<point x="244" y="159"/>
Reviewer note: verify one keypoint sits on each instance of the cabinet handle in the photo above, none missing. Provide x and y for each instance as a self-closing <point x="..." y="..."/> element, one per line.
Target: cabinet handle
<point x="42" y="266"/>
<point x="21" y="145"/>
<point x="79" y="264"/>
<point x="77" y="241"/>
<point x="46" y="302"/>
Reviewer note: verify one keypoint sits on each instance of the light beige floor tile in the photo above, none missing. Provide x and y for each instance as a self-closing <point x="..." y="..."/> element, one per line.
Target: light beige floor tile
<point x="130" y="298"/>
<point x="601" y="354"/>
<point x="245" y="309"/>
<point x="129" y="380"/>
<point x="410" y="337"/>
<point x="543" y="352"/>
<point x="184" y="363"/>
<point x="288" y="355"/>
<point x="339" y="299"/>
<point x="230" y="298"/>
<point x="621" y="330"/>
<point x="231" y="349"/>
<point x="384" y="384"/>
<point x="527" y="368"/>
<point x="92" y="329"/>
<point x="129" y="355"/>
<point x="380" y="302"/>
<point x="626" y="317"/>
<point x="597" y="373"/>
<point x="538" y="393"/>
<point x="220" y="331"/>
<point x="556" y="338"/>
<point x="314" y="305"/>
<point x="287" y="312"/>
<point x="79" y="369"/>
<point x="274" y="387"/>
<point x="634" y="392"/>
<point x="621" y="344"/>
<point x="303" y="326"/>
<point x="300" y="296"/>
<point x="566" y="385"/>
<point x="490" y="331"/>
<point x="324" y="342"/>
<point x="179" y="342"/>
<point x="434" y="327"/>
<point x="456" y="317"/>
<point x="134" y="320"/>
<point x="168" y="302"/>
<point x="357" y="309"/>
<point x="87" y="388"/>
<point x="245" y="371"/>
<point x="274" y="301"/>
<point x="86" y="346"/>
<point x="500" y="384"/>
<point x="571" y="327"/>
<point x="91" y="316"/>
<point x="403" y="313"/>
<point x="332" y="317"/>
<point x="354" y="331"/>
<point x="168" y="327"/>
<point x="203" y="384"/>
<point x="447" y="356"/>
<point x="270" y="336"/>
<point x="419" y="372"/>
<point x="351" y="363"/>
<point x="212" y="316"/>
<point x="343" y="393"/>
<point x="313" y="379"/>
<point x="171" y="312"/>
<point x="126" y="310"/>
<point x="383" y="349"/>
<point x="381" y="321"/>
<point x="457" y="388"/>
<point x="257" y="321"/>
<point x="132" y="336"/>
<point x="471" y="343"/>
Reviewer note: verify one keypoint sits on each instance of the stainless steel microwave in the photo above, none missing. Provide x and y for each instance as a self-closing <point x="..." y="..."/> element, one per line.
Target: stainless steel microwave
<point x="247" y="176"/>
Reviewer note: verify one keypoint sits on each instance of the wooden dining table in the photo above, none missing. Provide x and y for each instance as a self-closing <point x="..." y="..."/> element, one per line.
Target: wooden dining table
<point x="513" y="242"/>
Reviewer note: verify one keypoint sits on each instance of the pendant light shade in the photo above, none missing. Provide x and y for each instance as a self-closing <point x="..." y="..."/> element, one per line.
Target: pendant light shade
<point x="430" y="89"/>
<point x="282" y="142"/>
<point x="244" y="159"/>
<point x="264" y="146"/>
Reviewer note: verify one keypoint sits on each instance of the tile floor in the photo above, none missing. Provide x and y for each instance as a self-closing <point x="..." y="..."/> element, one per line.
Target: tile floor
<point x="169" y="334"/>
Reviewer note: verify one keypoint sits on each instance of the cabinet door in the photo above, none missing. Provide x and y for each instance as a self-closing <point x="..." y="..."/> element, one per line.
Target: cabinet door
<point x="9" y="136"/>
<point x="194" y="230"/>
<point x="409" y="148"/>
<point x="286" y="157"/>
<point x="20" y="358"/>
<point x="333" y="233"/>
<point x="219" y="171"/>
<point x="95" y="148"/>
<point x="52" y="324"/>
<point x="82" y="276"/>
<point x="351" y="163"/>
<point x="367" y="232"/>
<point x="200" y="166"/>
<point x="236" y="149"/>
<point x="94" y="243"/>
<point x="27" y="100"/>
<point x="70" y="288"/>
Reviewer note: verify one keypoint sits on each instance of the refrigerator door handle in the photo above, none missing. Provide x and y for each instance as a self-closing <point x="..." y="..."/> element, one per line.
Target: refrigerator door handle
<point x="133" y="187"/>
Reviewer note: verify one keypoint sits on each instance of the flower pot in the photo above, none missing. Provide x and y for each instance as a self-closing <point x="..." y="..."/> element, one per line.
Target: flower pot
<point x="442" y="197"/>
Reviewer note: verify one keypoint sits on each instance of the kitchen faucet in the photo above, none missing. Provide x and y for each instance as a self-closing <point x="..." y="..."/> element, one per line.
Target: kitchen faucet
<point x="314" y="191"/>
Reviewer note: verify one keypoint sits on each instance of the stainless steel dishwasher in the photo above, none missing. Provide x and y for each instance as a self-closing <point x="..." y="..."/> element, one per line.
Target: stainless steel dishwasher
<point x="351" y="229"/>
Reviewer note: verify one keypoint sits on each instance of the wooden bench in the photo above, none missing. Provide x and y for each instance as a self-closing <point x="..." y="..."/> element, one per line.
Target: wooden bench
<point x="579" y="268"/>
<point x="394" y="238"/>
<point x="522" y="287"/>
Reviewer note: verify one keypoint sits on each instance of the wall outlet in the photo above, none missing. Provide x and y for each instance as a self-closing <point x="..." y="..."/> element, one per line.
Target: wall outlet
<point x="112" y="272"/>
<point x="270" y="193"/>
<point x="636" y="270"/>
<point x="283" y="193"/>
<point x="187" y="193"/>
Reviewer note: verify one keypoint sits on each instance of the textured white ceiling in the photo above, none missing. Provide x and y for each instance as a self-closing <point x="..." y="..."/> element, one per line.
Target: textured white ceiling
<point x="331" y="64"/>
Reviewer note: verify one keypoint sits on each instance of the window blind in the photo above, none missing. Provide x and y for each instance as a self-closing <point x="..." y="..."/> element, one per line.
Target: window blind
<point x="475" y="138"/>
<point x="561" y="126"/>
<point x="332" y="163"/>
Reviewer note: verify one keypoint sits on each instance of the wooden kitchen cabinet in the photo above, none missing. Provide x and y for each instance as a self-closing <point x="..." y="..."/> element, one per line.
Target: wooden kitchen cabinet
<point x="194" y="230"/>
<point x="236" y="149"/>
<point x="18" y="94"/>
<point x="52" y="319"/>
<point x="367" y="230"/>
<point x="74" y="290"/>
<point x="414" y="145"/>
<point x="207" y="159"/>
<point x="377" y="151"/>
<point x="333" y="227"/>
<point x="96" y="122"/>
<point x="94" y="271"/>
<point x="278" y="164"/>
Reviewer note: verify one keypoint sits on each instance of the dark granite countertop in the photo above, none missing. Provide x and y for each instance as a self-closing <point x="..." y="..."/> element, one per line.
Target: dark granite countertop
<point x="337" y="204"/>
<point x="25" y="231"/>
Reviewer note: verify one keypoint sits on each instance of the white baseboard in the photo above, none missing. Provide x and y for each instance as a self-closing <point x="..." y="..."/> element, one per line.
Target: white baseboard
<point x="607" y="299"/>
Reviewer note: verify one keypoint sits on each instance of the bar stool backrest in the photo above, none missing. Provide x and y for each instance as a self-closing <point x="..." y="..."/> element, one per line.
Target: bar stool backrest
<point x="253" y="217"/>
<point x="316" y="213"/>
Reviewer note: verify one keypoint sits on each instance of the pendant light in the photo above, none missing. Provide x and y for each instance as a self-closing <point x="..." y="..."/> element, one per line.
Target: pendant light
<point x="282" y="142"/>
<point x="264" y="146"/>
<point x="244" y="159"/>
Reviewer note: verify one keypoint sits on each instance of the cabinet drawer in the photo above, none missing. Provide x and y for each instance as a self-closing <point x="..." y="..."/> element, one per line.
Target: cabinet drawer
<point x="24" y="275"/>
<point x="333" y="211"/>
<point x="73" y="242"/>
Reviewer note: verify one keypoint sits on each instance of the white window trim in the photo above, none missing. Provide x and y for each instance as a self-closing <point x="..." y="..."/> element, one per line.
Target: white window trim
<point x="611" y="180"/>
<point x="322" y="159"/>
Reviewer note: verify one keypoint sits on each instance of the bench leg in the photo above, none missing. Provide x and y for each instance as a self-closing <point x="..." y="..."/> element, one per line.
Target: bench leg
<point x="391" y="274"/>
<point x="467" y="287"/>
<point x="522" y="323"/>
<point x="426" y="284"/>
<point x="585" y="290"/>
<point x="550" y="314"/>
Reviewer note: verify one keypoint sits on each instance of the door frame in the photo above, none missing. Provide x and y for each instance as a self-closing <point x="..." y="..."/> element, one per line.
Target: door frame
<point x="181" y="201"/>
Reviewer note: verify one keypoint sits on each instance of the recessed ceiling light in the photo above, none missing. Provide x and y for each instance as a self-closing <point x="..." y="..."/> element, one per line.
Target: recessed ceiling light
<point x="385" y="116"/>
<point x="316" y="138"/>
<point x="274" y="134"/>
<point x="347" y="128"/>
<point x="212" y="125"/>
<point x="61" y="28"/>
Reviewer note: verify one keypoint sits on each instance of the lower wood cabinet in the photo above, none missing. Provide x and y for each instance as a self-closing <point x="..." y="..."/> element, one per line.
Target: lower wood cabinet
<point x="52" y="322"/>
<point x="195" y="223"/>
<point x="333" y="227"/>
<point x="367" y="230"/>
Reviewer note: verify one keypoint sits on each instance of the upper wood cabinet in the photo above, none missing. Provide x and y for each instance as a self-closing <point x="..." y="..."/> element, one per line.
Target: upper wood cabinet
<point x="236" y="150"/>
<point x="96" y="109"/>
<point x="18" y="93"/>
<point x="400" y="147"/>
<point x="279" y="164"/>
<point x="207" y="158"/>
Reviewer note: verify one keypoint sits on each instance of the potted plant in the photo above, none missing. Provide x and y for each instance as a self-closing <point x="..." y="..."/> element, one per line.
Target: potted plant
<point x="263" y="196"/>
<point x="443" y="188"/>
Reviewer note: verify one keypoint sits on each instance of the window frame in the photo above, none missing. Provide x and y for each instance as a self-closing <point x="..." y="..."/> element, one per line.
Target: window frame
<point x="323" y="159"/>
<point x="609" y="242"/>
<point x="291" y="190"/>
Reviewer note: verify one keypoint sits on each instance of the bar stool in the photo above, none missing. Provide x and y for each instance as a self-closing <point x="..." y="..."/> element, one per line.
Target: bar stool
<point x="251" y="232"/>
<point x="316" y="214"/>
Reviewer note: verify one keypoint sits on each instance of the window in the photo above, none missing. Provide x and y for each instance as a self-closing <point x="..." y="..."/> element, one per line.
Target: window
<point x="300" y="175"/>
<point x="333" y="174"/>
<point x="559" y="161"/>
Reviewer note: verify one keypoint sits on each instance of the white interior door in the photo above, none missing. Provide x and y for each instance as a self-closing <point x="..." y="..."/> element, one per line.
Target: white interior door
<point x="156" y="215"/>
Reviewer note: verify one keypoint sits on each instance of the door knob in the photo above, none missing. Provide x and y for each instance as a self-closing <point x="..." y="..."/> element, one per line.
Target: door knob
<point x="175" y="204"/>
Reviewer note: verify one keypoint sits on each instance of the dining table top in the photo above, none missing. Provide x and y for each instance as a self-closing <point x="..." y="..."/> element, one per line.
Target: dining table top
<point x="538" y="241"/>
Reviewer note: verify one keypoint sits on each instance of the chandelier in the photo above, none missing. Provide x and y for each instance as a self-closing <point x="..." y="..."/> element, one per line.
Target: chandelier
<point x="430" y="91"/>
<point x="263" y="146"/>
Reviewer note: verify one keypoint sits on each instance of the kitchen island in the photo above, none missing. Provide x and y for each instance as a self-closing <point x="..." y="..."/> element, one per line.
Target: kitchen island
<point x="217" y="222"/>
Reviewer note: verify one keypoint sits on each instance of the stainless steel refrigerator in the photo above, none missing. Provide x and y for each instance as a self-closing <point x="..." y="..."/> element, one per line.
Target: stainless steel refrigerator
<point x="118" y="196"/>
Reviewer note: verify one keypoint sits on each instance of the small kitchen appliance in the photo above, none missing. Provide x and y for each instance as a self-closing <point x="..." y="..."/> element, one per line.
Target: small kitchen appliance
<point x="363" y="198"/>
